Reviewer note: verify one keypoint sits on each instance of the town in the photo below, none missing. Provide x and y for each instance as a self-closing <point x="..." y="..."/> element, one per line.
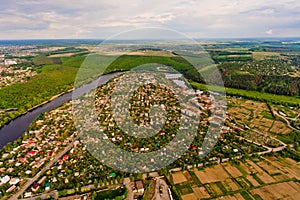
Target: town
<point x="51" y="160"/>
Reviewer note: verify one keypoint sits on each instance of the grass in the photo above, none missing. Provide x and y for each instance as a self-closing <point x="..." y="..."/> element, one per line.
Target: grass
<point x="195" y="179"/>
<point x="150" y="192"/>
<point x="267" y="115"/>
<point x="184" y="188"/>
<point x="242" y="182"/>
<point x="246" y="195"/>
<point x="221" y="186"/>
<point x="257" y="179"/>
<point x="73" y="61"/>
<point x="288" y="138"/>
<point x="111" y="194"/>
<point x="241" y="169"/>
<point x="257" y="197"/>
<point x="44" y="60"/>
<point x="264" y="55"/>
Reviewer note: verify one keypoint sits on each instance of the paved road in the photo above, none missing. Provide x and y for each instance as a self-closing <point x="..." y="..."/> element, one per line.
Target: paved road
<point x="47" y="167"/>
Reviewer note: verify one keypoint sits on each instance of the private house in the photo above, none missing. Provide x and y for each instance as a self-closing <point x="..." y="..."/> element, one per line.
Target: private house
<point x="139" y="187"/>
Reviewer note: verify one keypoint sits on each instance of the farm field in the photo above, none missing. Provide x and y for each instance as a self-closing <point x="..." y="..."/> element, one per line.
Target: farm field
<point x="271" y="177"/>
<point x="264" y="55"/>
<point x="263" y="121"/>
<point x="286" y="190"/>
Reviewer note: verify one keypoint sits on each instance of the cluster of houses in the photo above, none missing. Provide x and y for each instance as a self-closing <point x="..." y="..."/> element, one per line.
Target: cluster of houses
<point x="9" y="75"/>
<point x="12" y="183"/>
<point x="47" y="137"/>
<point x="51" y="133"/>
<point x="147" y="96"/>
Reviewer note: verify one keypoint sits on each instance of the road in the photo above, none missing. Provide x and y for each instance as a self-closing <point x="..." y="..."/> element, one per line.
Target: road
<point x="47" y="167"/>
<point x="161" y="190"/>
<point x="129" y="186"/>
<point x="287" y="121"/>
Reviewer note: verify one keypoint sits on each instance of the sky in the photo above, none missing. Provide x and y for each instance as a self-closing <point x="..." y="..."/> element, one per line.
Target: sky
<point x="99" y="19"/>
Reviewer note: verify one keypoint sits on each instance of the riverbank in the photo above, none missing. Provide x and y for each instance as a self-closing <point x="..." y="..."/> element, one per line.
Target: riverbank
<point x="16" y="127"/>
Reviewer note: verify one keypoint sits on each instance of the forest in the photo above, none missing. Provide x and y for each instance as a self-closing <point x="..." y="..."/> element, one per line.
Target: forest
<point x="57" y="75"/>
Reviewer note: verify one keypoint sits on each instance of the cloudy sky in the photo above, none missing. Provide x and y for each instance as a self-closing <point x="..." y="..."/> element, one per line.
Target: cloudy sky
<point x="40" y="19"/>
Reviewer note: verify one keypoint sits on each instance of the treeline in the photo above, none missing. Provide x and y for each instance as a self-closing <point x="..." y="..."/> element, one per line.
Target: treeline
<point x="274" y="84"/>
<point x="66" y="50"/>
<point x="281" y="85"/>
<point x="227" y="56"/>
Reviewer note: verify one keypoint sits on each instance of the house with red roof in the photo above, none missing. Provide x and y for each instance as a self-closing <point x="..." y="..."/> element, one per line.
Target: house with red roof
<point x="65" y="157"/>
<point x="31" y="153"/>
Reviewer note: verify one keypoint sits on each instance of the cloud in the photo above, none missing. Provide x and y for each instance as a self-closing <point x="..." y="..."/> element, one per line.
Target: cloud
<point x="269" y="32"/>
<point x="101" y="19"/>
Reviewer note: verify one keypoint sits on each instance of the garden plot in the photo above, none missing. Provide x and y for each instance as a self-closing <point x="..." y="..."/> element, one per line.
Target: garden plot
<point x="212" y="174"/>
<point x="268" y="167"/>
<point x="230" y="185"/>
<point x="191" y="196"/>
<point x="252" y="180"/>
<point x="280" y="128"/>
<point x="233" y="171"/>
<point x="287" y="166"/>
<point x="216" y="189"/>
<point x="254" y="166"/>
<point x="178" y="177"/>
<point x="266" y="178"/>
<point x="201" y="192"/>
<point x="286" y="190"/>
<point x="240" y="113"/>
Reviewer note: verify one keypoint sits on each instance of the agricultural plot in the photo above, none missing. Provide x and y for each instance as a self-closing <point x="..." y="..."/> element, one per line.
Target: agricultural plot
<point x="264" y="177"/>
<point x="191" y="196"/>
<point x="254" y="167"/>
<point x="230" y="185"/>
<point x="184" y="189"/>
<point x="286" y="190"/>
<point x="217" y="190"/>
<point x="269" y="178"/>
<point x="233" y="171"/>
<point x="246" y="169"/>
<point x="178" y="177"/>
<point x="265" y="55"/>
<point x="212" y="174"/>
<point x="201" y="192"/>
<point x="258" y="116"/>
<point x="268" y="167"/>
<point x="252" y="180"/>
<point x="280" y="128"/>
<point x="231" y="197"/>
<point x="240" y="113"/>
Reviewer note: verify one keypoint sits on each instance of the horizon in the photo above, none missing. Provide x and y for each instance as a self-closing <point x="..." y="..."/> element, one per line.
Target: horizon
<point x="195" y="19"/>
<point x="156" y="39"/>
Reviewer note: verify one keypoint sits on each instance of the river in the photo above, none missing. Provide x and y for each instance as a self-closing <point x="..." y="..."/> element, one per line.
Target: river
<point x="16" y="128"/>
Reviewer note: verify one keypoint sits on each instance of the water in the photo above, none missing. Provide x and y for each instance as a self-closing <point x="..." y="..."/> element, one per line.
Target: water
<point x="16" y="128"/>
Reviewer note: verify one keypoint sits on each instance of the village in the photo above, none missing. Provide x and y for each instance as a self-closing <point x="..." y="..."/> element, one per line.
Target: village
<point x="51" y="159"/>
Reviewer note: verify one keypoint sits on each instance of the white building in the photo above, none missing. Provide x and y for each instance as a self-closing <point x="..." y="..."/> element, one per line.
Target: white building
<point x="5" y="179"/>
<point x="10" y="62"/>
<point x="14" y="181"/>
